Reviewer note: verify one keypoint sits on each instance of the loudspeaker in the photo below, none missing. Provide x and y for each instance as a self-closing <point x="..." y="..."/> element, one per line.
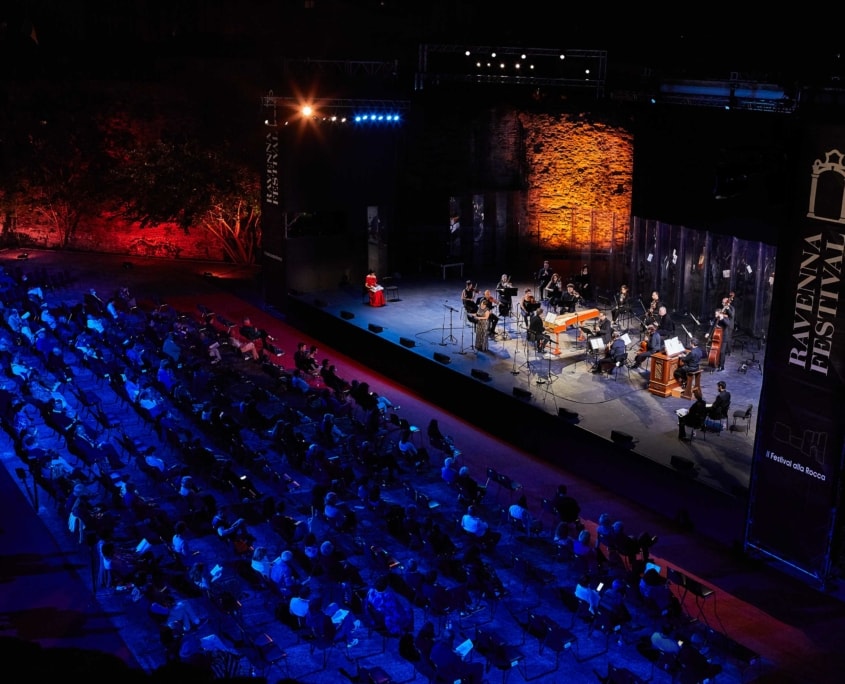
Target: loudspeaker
<point x="684" y="465"/>
<point x="566" y="414"/>
<point x="405" y="342"/>
<point x="443" y="358"/>
<point x="622" y="438"/>
<point x="320" y="303"/>
<point x="521" y="393"/>
<point x="375" y="328"/>
<point x="347" y="315"/>
<point x="480" y="374"/>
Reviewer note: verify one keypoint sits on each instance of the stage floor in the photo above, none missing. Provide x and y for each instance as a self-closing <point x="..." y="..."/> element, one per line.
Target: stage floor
<point x="427" y="312"/>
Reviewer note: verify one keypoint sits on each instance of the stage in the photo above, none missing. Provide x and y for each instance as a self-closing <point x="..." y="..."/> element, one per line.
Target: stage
<point x="423" y="334"/>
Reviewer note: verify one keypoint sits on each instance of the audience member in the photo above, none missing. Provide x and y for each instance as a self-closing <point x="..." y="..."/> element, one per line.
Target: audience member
<point x="396" y="616"/>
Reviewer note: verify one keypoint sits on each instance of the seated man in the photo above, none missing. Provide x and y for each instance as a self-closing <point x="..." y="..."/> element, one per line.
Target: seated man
<point x="616" y="353"/>
<point x="690" y="363"/>
<point x="537" y="331"/>
<point x="694" y="416"/>
<point x="448" y="663"/>
<point x="474" y="526"/>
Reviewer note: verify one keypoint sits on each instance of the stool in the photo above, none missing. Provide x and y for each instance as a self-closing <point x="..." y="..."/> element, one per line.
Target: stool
<point x="693" y="382"/>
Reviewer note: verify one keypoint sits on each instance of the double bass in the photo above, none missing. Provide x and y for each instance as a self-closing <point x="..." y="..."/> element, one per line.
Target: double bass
<point x="715" y="343"/>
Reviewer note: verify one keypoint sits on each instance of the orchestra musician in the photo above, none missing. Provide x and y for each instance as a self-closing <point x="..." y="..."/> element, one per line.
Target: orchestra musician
<point x="664" y="322"/>
<point x="722" y="322"/>
<point x="650" y="317"/>
<point x="603" y="327"/>
<point x="582" y="284"/>
<point x="544" y="277"/>
<point x="482" y="327"/>
<point x="502" y="288"/>
<point x="615" y="351"/>
<point x="653" y="344"/>
<point x="376" y="291"/>
<point x="621" y="303"/>
<point x="553" y="292"/>
<point x="537" y="331"/>
<point x="689" y="363"/>
<point x="569" y="299"/>
<point x="468" y="297"/>
<point x="491" y="303"/>
<point x="527" y="306"/>
<point x="730" y="311"/>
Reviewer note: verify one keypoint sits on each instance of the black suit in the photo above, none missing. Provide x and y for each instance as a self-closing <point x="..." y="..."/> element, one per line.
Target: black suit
<point x="721" y="404"/>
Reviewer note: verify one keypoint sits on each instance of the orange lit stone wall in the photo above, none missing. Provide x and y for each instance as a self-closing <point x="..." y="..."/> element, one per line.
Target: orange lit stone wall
<point x="580" y="176"/>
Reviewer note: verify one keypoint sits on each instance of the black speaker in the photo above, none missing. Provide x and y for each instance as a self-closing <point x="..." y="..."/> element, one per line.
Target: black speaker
<point x="405" y="342"/>
<point x="347" y="315"/>
<point x="375" y="328"/>
<point x="521" y="393"/>
<point x="622" y="438"/>
<point x="480" y="374"/>
<point x="443" y="358"/>
<point x="684" y="465"/>
<point x="320" y="303"/>
<point x="566" y="414"/>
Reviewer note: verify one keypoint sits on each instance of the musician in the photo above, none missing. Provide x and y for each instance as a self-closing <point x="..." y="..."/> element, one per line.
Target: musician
<point x="544" y="277"/>
<point x="694" y="416"/>
<point x="689" y="362"/>
<point x="614" y="352"/>
<point x="468" y="297"/>
<point x="553" y="292"/>
<point x="653" y="344"/>
<point x="650" y="316"/>
<point x="721" y="321"/>
<point x="502" y="288"/>
<point x="537" y="331"/>
<point x="527" y="306"/>
<point x="482" y="327"/>
<point x="376" y="291"/>
<point x="491" y="303"/>
<point x="730" y="311"/>
<point x="582" y="284"/>
<point x="664" y="322"/>
<point x="603" y="327"/>
<point x="621" y="303"/>
<point x="569" y="299"/>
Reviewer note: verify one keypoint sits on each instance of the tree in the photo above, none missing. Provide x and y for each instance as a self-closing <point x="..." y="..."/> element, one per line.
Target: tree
<point x="179" y="180"/>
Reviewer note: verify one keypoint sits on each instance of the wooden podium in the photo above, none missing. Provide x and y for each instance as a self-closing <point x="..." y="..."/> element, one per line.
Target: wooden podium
<point x="662" y="379"/>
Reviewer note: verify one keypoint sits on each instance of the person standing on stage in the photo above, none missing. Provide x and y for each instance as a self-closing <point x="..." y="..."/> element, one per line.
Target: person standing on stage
<point x="482" y="328"/>
<point x="583" y="285"/>
<point x="722" y="322"/>
<point x="544" y="277"/>
<point x="468" y="297"/>
<point x="491" y="303"/>
<point x="553" y="292"/>
<point x="502" y="288"/>
<point x="621" y="303"/>
<point x="664" y="322"/>
<point x="527" y="306"/>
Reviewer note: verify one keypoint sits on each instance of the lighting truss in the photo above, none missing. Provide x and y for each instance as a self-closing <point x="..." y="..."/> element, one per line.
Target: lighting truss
<point x="511" y="66"/>
<point x="280" y="111"/>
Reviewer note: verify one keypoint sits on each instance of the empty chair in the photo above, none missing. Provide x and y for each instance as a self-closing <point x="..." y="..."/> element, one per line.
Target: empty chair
<point x="744" y="416"/>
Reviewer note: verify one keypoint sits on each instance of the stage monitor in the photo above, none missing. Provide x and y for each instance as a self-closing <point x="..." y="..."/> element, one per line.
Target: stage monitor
<point x="674" y="347"/>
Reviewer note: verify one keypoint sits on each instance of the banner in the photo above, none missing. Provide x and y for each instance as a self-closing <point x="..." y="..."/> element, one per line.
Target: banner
<point x="798" y="455"/>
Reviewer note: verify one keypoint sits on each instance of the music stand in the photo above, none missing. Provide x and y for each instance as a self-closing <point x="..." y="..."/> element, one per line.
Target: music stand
<point x="450" y="337"/>
<point x="595" y="347"/>
<point x="474" y="322"/>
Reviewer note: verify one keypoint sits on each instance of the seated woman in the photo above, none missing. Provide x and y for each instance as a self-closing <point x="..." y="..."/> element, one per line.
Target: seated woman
<point x="375" y="290"/>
